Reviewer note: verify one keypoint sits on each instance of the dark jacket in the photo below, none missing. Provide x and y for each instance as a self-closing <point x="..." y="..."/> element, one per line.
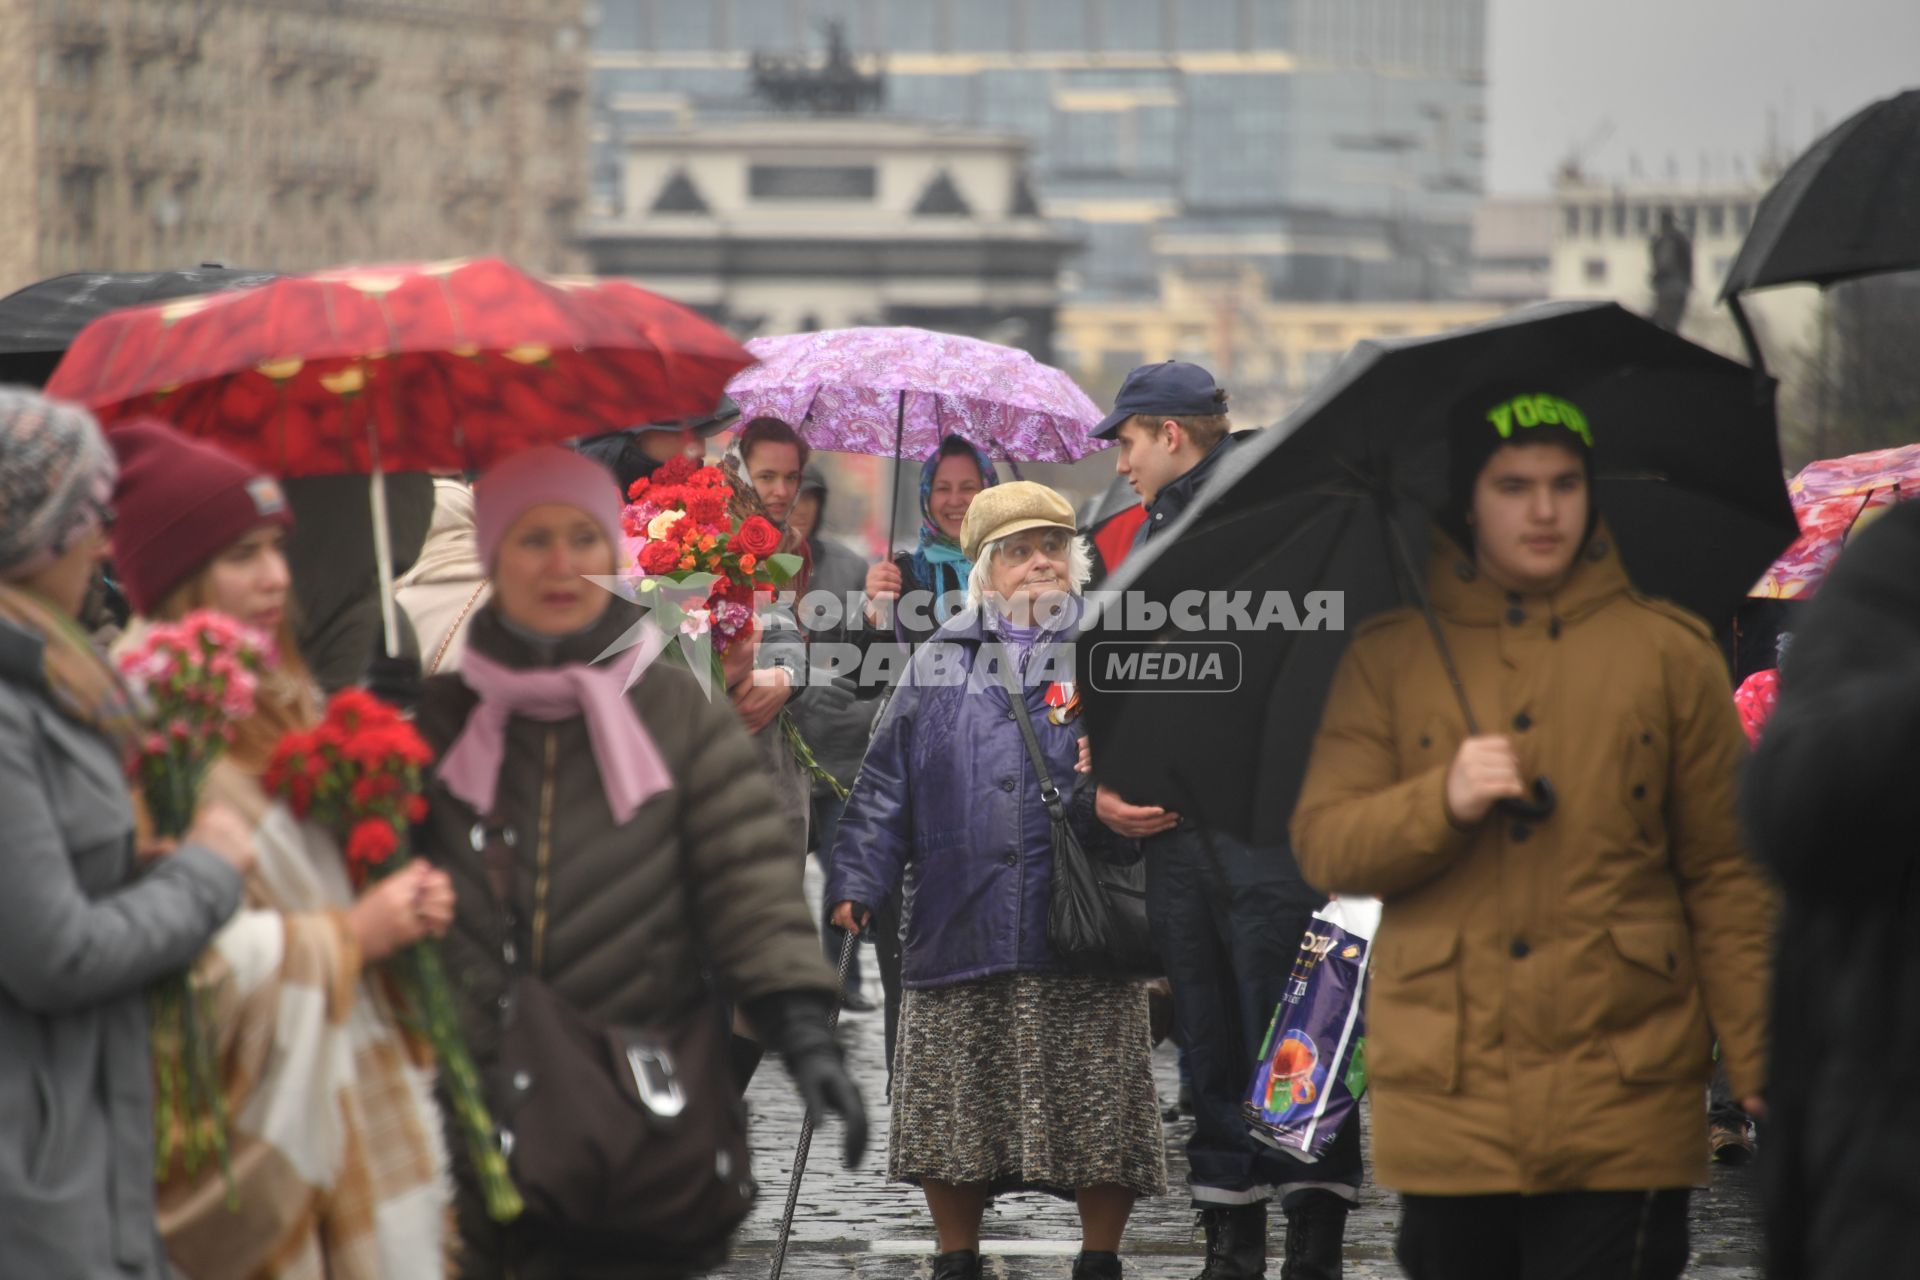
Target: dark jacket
<point x="1178" y="495"/>
<point x="617" y="943"/>
<point x="620" y="453"/>
<point x="947" y="810"/>
<point x="335" y="580"/>
<point x="833" y="719"/>
<point x="1829" y="809"/>
<point x="81" y="942"/>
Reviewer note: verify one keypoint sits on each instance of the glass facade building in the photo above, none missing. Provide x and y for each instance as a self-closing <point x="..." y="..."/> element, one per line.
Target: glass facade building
<point x="1333" y="145"/>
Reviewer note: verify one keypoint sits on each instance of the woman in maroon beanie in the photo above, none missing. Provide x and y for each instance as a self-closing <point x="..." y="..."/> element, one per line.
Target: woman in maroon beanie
<point x="336" y="1141"/>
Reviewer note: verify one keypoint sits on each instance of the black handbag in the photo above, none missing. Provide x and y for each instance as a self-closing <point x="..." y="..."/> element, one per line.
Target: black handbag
<point x="624" y="1141"/>
<point x="1097" y="910"/>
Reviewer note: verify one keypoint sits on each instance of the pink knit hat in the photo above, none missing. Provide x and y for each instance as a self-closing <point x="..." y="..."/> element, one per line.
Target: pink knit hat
<point x="535" y="478"/>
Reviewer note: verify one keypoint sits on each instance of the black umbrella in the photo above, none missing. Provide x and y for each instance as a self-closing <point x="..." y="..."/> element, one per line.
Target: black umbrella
<point x="1849" y="206"/>
<point x="1337" y="499"/>
<point x="39" y="322"/>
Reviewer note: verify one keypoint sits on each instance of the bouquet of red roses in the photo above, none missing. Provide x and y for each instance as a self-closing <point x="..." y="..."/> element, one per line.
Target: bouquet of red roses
<point x="359" y="774"/>
<point x="680" y="527"/>
<point x="198" y="678"/>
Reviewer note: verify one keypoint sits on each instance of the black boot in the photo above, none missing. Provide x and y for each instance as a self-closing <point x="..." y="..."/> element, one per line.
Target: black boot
<point x="1236" y="1242"/>
<point x="961" y="1264"/>
<point x="1316" y="1236"/>
<point x="1096" y="1266"/>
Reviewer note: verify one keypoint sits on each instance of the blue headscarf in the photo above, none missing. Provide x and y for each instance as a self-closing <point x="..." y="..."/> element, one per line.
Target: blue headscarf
<point x="938" y="563"/>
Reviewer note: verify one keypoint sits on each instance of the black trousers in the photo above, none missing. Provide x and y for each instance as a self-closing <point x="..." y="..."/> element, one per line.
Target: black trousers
<point x="1582" y="1235"/>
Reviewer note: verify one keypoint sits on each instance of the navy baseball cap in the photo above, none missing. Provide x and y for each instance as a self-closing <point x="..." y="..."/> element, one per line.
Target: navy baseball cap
<point x="1171" y="389"/>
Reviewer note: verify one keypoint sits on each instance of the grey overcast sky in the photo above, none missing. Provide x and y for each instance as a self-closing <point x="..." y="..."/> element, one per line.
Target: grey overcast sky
<point x="1681" y="78"/>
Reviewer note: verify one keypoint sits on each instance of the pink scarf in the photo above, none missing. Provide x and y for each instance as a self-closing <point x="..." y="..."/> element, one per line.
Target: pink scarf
<point x="631" y="770"/>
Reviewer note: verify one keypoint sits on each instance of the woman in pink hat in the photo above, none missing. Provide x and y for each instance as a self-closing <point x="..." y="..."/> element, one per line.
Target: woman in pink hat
<point x="608" y="842"/>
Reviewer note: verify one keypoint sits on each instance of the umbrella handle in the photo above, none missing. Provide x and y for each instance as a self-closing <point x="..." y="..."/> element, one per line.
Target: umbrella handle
<point x="899" y="436"/>
<point x="1545" y="801"/>
<point x="1545" y="798"/>
<point x="383" y="558"/>
<point x="1750" y="340"/>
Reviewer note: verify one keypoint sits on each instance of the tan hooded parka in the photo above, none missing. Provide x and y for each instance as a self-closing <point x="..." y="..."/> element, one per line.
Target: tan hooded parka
<point x="1544" y="995"/>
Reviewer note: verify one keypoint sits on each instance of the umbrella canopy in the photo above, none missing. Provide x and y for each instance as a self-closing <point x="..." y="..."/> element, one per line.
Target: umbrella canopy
<point x="897" y="392"/>
<point x="413" y="367"/>
<point x="1337" y="500"/>
<point x="38" y="323"/>
<point x="1849" y="206"/>
<point x="1831" y="499"/>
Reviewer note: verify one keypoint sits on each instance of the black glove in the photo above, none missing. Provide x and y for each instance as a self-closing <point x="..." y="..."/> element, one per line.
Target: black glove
<point x="794" y="1025"/>
<point x="394" y="680"/>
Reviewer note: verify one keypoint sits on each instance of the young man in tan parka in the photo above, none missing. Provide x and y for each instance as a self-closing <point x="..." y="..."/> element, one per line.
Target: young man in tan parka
<point x="1545" y="992"/>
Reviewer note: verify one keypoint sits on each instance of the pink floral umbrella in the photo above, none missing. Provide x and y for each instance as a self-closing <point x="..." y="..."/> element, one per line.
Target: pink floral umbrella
<point x="1832" y="498"/>
<point x="897" y="392"/>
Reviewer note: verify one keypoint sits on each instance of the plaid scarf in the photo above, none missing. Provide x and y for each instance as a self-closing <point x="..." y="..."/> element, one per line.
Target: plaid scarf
<point x="79" y="681"/>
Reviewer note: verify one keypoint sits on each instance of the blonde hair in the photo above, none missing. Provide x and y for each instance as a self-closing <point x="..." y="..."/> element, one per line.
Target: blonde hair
<point x="288" y="699"/>
<point x="1205" y="430"/>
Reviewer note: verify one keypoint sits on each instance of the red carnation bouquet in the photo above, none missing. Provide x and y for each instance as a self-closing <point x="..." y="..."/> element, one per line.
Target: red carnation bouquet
<point x="680" y="528"/>
<point x="198" y="678"/>
<point x="359" y="774"/>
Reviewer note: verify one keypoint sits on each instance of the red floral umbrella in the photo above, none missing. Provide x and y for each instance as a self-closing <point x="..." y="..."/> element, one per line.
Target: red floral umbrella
<point x="417" y="367"/>
<point x="444" y="366"/>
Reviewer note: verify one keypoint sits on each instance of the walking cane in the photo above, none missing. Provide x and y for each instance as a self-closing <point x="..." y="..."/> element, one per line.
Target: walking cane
<point x="806" y="1125"/>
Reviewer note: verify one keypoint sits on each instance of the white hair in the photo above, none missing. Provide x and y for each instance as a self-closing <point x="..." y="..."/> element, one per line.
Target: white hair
<point x="1079" y="569"/>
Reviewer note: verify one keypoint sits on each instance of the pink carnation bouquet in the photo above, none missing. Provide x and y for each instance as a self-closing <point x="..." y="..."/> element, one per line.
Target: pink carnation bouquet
<point x="199" y="678"/>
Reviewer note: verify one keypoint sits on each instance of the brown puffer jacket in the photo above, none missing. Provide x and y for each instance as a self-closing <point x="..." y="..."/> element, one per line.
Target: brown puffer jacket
<point x="1541" y="995"/>
<point x="614" y="940"/>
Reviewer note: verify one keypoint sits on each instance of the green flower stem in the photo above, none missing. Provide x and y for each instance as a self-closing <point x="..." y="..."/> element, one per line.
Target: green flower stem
<point x="804" y="754"/>
<point x="427" y="988"/>
<point x="190" y="1119"/>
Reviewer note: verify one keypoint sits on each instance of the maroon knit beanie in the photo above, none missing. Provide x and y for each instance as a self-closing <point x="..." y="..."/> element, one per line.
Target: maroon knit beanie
<point x="180" y="502"/>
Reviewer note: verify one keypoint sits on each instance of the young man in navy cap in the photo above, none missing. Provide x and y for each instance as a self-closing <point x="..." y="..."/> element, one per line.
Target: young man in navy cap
<point x="1170" y="426"/>
<point x="1228" y="918"/>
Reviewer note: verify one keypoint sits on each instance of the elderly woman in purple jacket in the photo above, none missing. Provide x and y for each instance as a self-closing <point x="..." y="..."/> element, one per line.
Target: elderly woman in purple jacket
<point x="1011" y="1074"/>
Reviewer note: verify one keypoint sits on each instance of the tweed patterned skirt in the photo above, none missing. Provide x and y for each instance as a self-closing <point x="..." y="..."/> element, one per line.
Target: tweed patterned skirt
<point x="1027" y="1082"/>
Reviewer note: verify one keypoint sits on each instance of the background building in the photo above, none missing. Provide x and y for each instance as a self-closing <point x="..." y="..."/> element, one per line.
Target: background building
<point x="781" y="224"/>
<point x="1601" y="233"/>
<point x="1512" y="249"/>
<point x="291" y="134"/>
<point x="1332" y="145"/>
<point x="1268" y="352"/>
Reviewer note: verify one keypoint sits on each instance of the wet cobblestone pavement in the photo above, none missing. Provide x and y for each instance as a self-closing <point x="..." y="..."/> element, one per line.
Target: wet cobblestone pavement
<point x="855" y="1223"/>
<point x="858" y="1224"/>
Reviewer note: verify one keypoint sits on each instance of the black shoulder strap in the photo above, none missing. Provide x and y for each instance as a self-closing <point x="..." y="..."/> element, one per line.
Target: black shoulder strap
<point x="1017" y="697"/>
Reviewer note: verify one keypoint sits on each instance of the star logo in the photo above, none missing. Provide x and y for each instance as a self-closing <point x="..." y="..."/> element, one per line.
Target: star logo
<point x="670" y="613"/>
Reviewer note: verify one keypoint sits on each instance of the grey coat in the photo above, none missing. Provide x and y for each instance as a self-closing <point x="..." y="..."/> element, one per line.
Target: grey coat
<point x="79" y="946"/>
